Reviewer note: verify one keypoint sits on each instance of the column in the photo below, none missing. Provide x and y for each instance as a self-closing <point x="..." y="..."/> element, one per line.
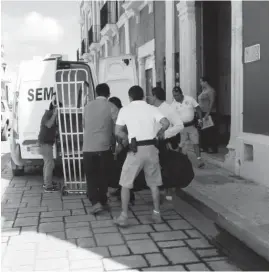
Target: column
<point x="187" y="40"/>
<point x="141" y="71"/>
<point x="232" y="158"/>
<point x="127" y="36"/>
<point x="106" y="48"/>
<point x="153" y="70"/>
<point x="169" y="49"/>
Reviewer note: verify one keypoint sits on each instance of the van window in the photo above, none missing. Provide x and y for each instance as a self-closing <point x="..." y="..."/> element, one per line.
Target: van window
<point x="2" y="107"/>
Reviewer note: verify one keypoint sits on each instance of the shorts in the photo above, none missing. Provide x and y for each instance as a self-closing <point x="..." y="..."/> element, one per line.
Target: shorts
<point x="189" y="134"/>
<point x="147" y="159"/>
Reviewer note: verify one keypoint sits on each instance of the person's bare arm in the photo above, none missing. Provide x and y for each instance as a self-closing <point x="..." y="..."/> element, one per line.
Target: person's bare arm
<point x="165" y="125"/>
<point x="49" y="123"/>
<point x="176" y="122"/>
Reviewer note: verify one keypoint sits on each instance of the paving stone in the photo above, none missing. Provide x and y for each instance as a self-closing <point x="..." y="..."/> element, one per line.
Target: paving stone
<point x="180" y="255"/>
<point x="145" y="219"/>
<point x="119" y="250"/>
<point x="139" y="213"/>
<point x="223" y="266"/>
<point x="140" y="208"/>
<point x="78" y="232"/>
<point x="106" y="230"/>
<point x="194" y="233"/>
<point x="137" y="229"/>
<point x="52" y="208"/>
<point x="4" y="239"/>
<point x="20" y="257"/>
<point x="179" y="224"/>
<point x="207" y="252"/>
<point x="78" y="212"/>
<point x="6" y="224"/>
<point x="171" y="217"/>
<point x="156" y="259"/>
<point x="102" y="224"/>
<point x="161" y="227"/>
<point x="56" y="213"/>
<point x="108" y="239"/>
<point x="197" y="267"/>
<point x="171" y="244"/>
<point x="140" y="236"/>
<point x="51" y="219"/>
<point x="198" y="243"/>
<point x="10" y="232"/>
<point x="168" y="235"/>
<point x="11" y="205"/>
<point x="23" y="215"/>
<point x="28" y="221"/>
<point x="51" y="227"/>
<point x="86" y="242"/>
<point x="218" y="258"/>
<point x="57" y="234"/>
<point x="77" y="224"/>
<point x="73" y="205"/>
<point x="124" y="262"/>
<point x="79" y="218"/>
<point x="142" y="246"/>
<point x="51" y="254"/>
<point x="85" y="254"/>
<point x="165" y="268"/>
<point x="9" y="216"/>
<point x="32" y="209"/>
<point x="52" y="264"/>
<point x="86" y="264"/>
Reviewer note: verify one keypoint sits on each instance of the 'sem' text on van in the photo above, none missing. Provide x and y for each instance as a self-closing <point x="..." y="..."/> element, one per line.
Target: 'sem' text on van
<point x="40" y="94"/>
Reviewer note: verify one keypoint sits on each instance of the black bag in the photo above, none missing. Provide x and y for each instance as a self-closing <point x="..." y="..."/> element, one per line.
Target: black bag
<point x="177" y="171"/>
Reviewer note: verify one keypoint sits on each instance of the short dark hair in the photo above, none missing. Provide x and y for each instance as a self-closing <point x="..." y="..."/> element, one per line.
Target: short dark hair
<point x="116" y="101"/>
<point x="177" y="89"/>
<point x="205" y="79"/>
<point x="159" y="93"/>
<point x="51" y="106"/>
<point x="103" y="90"/>
<point x="136" y="93"/>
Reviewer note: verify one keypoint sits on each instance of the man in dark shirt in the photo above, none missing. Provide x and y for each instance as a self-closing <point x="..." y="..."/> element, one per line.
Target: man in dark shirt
<point x="46" y="140"/>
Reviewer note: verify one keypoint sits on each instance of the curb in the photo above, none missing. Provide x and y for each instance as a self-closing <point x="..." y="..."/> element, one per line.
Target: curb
<point x="247" y="232"/>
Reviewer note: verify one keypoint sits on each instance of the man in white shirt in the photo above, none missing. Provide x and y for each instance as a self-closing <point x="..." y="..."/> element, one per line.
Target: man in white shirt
<point x="186" y="107"/>
<point x="140" y="119"/>
<point x="176" y="124"/>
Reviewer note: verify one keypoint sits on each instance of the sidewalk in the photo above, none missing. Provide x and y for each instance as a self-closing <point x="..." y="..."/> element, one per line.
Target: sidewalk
<point x="239" y="206"/>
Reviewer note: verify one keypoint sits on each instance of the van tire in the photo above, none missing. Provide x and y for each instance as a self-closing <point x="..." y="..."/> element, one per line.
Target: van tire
<point x="16" y="170"/>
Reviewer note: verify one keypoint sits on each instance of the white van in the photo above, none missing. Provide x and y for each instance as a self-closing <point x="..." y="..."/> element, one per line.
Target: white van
<point x="39" y="80"/>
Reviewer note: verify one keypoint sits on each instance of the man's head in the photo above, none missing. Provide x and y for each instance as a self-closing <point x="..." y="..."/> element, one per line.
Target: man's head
<point x="204" y="81"/>
<point x="158" y="95"/>
<point x="177" y="94"/>
<point x="103" y="90"/>
<point x="136" y="93"/>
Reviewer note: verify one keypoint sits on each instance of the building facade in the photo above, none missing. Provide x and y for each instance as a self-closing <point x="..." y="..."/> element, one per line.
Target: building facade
<point x="177" y="42"/>
<point x="5" y="81"/>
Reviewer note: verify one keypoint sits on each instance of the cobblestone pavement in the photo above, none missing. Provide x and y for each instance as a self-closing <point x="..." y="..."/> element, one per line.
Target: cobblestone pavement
<point x="48" y="232"/>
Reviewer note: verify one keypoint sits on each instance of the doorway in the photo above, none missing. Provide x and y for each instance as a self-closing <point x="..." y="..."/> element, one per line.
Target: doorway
<point x="214" y="36"/>
<point x="148" y="84"/>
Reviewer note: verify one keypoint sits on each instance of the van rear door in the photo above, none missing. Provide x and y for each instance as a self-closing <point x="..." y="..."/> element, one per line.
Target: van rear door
<point x="120" y="74"/>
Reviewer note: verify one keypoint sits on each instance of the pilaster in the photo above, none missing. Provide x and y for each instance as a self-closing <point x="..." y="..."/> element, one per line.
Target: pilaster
<point x="141" y="70"/>
<point x="232" y="158"/>
<point x="169" y="49"/>
<point x="187" y="40"/>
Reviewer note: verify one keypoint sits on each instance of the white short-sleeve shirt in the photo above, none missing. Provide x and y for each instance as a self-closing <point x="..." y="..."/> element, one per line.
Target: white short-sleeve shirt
<point x="186" y="109"/>
<point x="140" y="119"/>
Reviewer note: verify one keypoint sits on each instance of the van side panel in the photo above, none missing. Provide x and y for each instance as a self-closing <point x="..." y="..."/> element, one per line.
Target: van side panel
<point x="120" y="74"/>
<point x="35" y="94"/>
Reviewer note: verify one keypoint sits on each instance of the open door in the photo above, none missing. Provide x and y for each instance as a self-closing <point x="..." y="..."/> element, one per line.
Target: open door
<point x="74" y="86"/>
<point x="120" y="74"/>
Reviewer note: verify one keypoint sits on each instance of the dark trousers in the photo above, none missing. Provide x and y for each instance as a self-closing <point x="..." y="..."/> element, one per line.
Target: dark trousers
<point x="97" y="167"/>
<point x="209" y="136"/>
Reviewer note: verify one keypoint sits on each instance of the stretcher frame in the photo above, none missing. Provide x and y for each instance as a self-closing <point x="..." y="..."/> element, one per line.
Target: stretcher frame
<point x="72" y="156"/>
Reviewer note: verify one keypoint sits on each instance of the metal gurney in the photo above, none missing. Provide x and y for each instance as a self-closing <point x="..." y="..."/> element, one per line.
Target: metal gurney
<point x="72" y="88"/>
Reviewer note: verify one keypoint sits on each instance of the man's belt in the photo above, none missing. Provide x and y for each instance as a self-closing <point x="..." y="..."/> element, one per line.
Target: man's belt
<point x="134" y="144"/>
<point x="146" y="142"/>
<point x="188" y="124"/>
